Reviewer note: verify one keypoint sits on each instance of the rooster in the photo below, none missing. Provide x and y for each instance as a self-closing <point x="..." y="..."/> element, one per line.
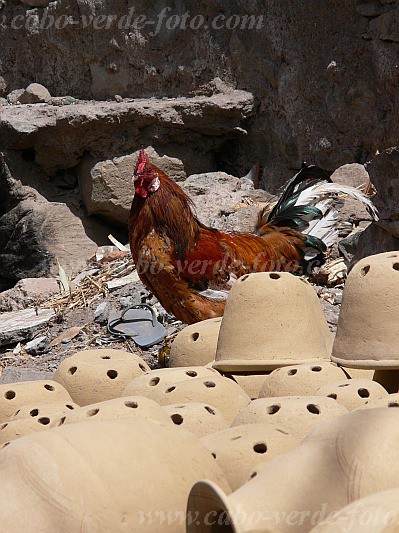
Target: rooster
<point x="191" y="267"/>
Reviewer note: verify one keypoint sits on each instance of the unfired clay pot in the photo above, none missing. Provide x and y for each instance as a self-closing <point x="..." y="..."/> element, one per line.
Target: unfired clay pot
<point x="216" y="391"/>
<point x="300" y="380"/>
<point x="145" y="384"/>
<point x="196" y="345"/>
<point x="111" y="409"/>
<point x="14" y="429"/>
<point x="98" y="375"/>
<point x="391" y="400"/>
<point x="251" y="382"/>
<point x="111" y="476"/>
<point x="271" y="319"/>
<point x="296" y="415"/>
<point x="368" y="333"/>
<point x="49" y="410"/>
<point x="13" y="396"/>
<point x="353" y="393"/>
<point x="199" y="418"/>
<point x="342" y="461"/>
<point x="239" y="449"/>
<point x="377" y="513"/>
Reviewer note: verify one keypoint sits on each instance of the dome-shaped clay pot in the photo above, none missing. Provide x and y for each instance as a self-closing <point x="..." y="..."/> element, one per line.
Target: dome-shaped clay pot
<point x="368" y="333"/>
<point x="14" y="429"/>
<point x="112" y="409"/>
<point x="48" y="410"/>
<point x="343" y="460"/>
<point x="377" y="513"/>
<point x="199" y="418"/>
<point x="296" y="415"/>
<point x="300" y="380"/>
<point x="196" y="344"/>
<point x="145" y="384"/>
<point x="391" y="400"/>
<point x="98" y="375"/>
<point x="353" y="393"/>
<point x="117" y="475"/>
<point x="239" y="449"/>
<point x="215" y="391"/>
<point x="13" y="396"/>
<point x="271" y="319"/>
<point x="250" y="382"/>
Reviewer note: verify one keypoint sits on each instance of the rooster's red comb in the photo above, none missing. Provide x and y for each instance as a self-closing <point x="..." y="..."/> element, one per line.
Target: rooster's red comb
<point x="142" y="162"/>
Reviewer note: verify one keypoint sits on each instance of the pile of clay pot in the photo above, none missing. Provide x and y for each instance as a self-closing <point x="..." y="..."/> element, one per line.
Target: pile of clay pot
<point x="260" y="424"/>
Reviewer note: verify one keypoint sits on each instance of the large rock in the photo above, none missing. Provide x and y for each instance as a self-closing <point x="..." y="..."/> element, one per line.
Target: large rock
<point x="35" y="94"/>
<point x="384" y="174"/>
<point x="27" y="293"/>
<point x="36" y="232"/>
<point x="107" y="186"/>
<point x="60" y="136"/>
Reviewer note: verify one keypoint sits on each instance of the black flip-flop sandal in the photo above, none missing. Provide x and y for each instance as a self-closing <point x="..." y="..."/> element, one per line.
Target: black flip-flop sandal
<point x="140" y="324"/>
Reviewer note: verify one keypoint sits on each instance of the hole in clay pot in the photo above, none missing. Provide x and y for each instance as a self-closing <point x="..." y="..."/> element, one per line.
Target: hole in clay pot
<point x="49" y="388"/>
<point x="92" y="412"/>
<point x="61" y="421"/>
<point x="260" y="448"/>
<point x="71" y="407"/>
<point x="236" y="438"/>
<point x="274" y="276"/>
<point x="72" y="370"/>
<point x="395" y="266"/>
<point x="363" y="393"/>
<point x="316" y="368"/>
<point x="273" y="409"/>
<point x="34" y="412"/>
<point x="393" y="404"/>
<point x="210" y="384"/>
<point x="171" y="389"/>
<point x="154" y="381"/>
<point x="332" y="395"/>
<point x="214" y="455"/>
<point x="292" y="372"/>
<point x="191" y="374"/>
<point x="365" y="270"/>
<point x="195" y="336"/>
<point x="16" y="412"/>
<point x="210" y="410"/>
<point x="143" y="368"/>
<point x="3" y="426"/>
<point x="9" y="395"/>
<point x="254" y="474"/>
<point x="132" y="405"/>
<point x="244" y="278"/>
<point x="105" y="357"/>
<point x="312" y="408"/>
<point x="5" y="445"/>
<point x="112" y="374"/>
<point x="44" y="421"/>
<point x="344" y="385"/>
<point x="177" y="419"/>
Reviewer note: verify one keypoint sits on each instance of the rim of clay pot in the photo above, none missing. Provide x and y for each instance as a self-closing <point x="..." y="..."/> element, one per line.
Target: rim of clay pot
<point x="207" y="506"/>
<point x="366" y="364"/>
<point x="259" y="365"/>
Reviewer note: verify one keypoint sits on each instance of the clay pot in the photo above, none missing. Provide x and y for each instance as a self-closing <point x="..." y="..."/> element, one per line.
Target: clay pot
<point x="104" y="476"/>
<point x="13" y="396"/>
<point x="343" y="460"/>
<point x="296" y="415"/>
<point x="145" y="384"/>
<point x="196" y="344"/>
<point x="199" y="418"/>
<point x="300" y="380"/>
<point x="97" y="375"/>
<point x="377" y="513"/>
<point x="391" y="400"/>
<point x="250" y="382"/>
<point x="353" y="393"/>
<point x="14" y="429"/>
<point x="112" y="409"/>
<point x="49" y="410"/>
<point x="215" y="391"/>
<point x="239" y="449"/>
<point x="368" y="334"/>
<point x="271" y="319"/>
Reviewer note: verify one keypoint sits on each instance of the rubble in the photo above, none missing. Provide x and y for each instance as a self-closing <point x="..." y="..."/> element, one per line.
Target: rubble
<point x="22" y="325"/>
